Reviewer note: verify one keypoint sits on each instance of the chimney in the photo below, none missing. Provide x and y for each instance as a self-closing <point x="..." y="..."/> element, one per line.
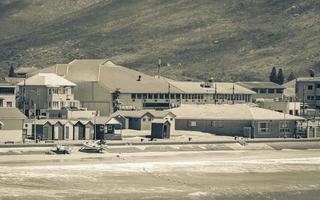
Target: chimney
<point x="139" y="78"/>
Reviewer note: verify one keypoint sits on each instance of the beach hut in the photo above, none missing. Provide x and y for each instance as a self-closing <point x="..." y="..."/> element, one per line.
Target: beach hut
<point x="160" y="128"/>
<point x="67" y="130"/>
<point x="47" y="131"/>
<point x="88" y="130"/>
<point x="58" y="131"/>
<point x="113" y="130"/>
<point x="78" y="131"/>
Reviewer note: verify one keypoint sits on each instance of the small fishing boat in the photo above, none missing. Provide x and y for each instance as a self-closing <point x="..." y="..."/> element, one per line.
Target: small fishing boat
<point x="61" y="150"/>
<point x="92" y="148"/>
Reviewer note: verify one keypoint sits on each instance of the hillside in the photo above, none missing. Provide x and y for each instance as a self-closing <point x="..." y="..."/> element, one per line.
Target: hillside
<point x="224" y="39"/>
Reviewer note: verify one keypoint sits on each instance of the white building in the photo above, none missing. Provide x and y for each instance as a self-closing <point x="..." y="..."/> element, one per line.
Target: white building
<point x="46" y="91"/>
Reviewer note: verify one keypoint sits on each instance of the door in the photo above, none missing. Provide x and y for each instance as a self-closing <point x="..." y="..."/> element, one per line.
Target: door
<point x="247" y="132"/>
<point x="45" y="133"/>
<point x="76" y="133"/>
<point x="56" y="133"/>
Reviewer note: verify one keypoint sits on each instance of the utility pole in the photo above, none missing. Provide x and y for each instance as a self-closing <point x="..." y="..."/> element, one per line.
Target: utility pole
<point x="35" y="123"/>
<point x="233" y="94"/>
<point x="169" y="95"/>
<point x="159" y="65"/>
<point x="24" y="96"/>
<point x="215" y="93"/>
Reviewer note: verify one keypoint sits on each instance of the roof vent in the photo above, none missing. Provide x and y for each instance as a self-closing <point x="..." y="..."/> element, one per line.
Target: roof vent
<point x="139" y="78"/>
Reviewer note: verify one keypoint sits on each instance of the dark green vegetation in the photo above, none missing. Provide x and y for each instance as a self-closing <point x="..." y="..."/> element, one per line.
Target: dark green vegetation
<point x="225" y="39"/>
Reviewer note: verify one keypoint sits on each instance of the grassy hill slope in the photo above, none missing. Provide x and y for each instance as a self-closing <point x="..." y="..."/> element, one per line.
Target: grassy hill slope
<point x="224" y="39"/>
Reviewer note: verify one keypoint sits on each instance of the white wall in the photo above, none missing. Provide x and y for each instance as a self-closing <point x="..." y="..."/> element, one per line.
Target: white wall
<point x="10" y="135"/>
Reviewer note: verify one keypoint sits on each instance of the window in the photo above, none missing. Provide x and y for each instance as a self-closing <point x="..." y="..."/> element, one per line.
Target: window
<point x="310" y="97"/>
<point x="192" y="123"/>
<point x="156" y="96"/>
<point x="178" y="96"/>
<point x="9" y="104"/>
<point x="264" y="127"/>
<point x="161" y="96"/>
<point x="318" y="85"/>
<point x="317" y="97"/>
<point x="310" y="87"/>
<point x="144" y="96"/>
<point x="133" y="96"/>
<point x="144" y="119"/>
<point x="1" y="103"/>
<point x="7" y="90"/>
<point x="284" y="127"/>
<point x="216" y="124"/>
<point x="138" y="96"/>
<point x="263" y="91"/>
<point x="150" y="96"/>
<point x="166" y="96"/>
<point x="270" y="91"/>
<point x="279" y="91"/>
<point x="172" y="96"/>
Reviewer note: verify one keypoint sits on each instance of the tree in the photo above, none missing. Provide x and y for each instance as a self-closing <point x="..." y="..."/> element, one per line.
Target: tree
<point x="291" y="77"/>
<point x="280" y="77"/>
<point x="11" y="72"/>
<point x="273" y="75"/>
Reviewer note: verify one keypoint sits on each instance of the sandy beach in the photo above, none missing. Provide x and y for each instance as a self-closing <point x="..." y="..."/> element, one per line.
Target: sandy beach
<point x="237" y="174"/>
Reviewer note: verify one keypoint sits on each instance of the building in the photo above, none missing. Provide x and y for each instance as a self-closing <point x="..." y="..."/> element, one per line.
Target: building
<point x="308" y="91"/>
<point x="61" y="129"/>
<point x="264" y="90"/>
<point x="292" y="108"/>
<point x="235" y="120"/>
<point x="46" y="91"/>
<point x="7" y="95"/>
<point x="160" y="128"/>
<point x="142" y="119"/>
<point x="108" y="87"/>
<point x="11" y="125"/>
<point x="212" y="92"/>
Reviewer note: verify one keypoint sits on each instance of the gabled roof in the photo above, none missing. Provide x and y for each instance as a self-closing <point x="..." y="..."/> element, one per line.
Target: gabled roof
<point x="260" y="84"/>
<point x="131" y="114"/>
<point x="46" y="79"/>
<point x="113" y="121"/>
<point x="110" y="76"/>
<point x="11" y="113"/>
<point x="229" y="112"/>
<point x="191" y="87"/>
<point x="141" y="113"/>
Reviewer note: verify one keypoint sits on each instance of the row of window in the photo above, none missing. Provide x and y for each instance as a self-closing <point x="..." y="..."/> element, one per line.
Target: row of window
<point x="59" y="91"/>
<point x="188" y="96"/>
<point x="268" y="91"/>
<point x="61" y="104"/>
<point x="310" y="87"/>
<point x="313" y="97"/>
<point x="9" y="104"/>
<point x="7" y="90"/>
<point x="155" y="96"/>
<point x="263" y="127"/>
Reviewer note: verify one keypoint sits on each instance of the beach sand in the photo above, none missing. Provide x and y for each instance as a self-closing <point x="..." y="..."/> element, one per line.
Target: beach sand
<point x="238" y="174"/>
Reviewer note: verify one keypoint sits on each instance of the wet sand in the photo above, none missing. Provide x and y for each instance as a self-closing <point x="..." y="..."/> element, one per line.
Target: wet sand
<point x="242" y="174"/>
